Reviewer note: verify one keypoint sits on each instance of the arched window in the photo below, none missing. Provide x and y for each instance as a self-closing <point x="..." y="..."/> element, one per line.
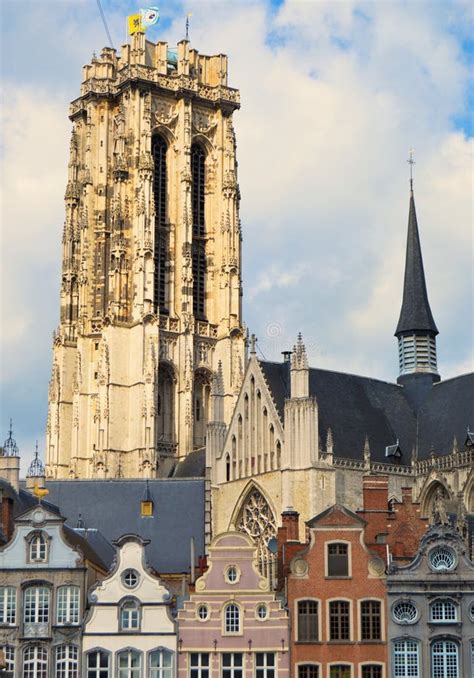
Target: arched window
<point x="129" y="664"/>
<point x="165" y="403"/>
<point x="202" y="393"/>
<point x="158" y="149"/>
<point x="35" y="662"/>
<point x="66" y="662"/>
<point x="68" y="605"/>
<point x="7" y="605"/>
<point x="227" y="467"/>
<point x="198" y="171"/>
<point x="161" y="664"/>
<point x="443" y="611"/>
<point x="232" y="618"/>
<point x="445" y="659"/>
<point x="98" y="664"/>
<point x="129" y="615"/>
<point x="406" y="653"/>
<point x="38" y="548"/>
<point x="36" y="605"/>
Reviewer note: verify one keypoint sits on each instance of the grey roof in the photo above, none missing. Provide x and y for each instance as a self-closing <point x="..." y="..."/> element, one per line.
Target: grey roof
<point x="24" y="500"/>
<point x="415" y="313"/>
<point x="192" y="466"/>
<point x="88" y="548"/>
<point x="113" y="508"/>
<point x="355" y="407"/>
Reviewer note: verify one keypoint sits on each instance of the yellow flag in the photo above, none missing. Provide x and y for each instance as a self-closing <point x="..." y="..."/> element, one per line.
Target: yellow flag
<point x="135" y="24"/>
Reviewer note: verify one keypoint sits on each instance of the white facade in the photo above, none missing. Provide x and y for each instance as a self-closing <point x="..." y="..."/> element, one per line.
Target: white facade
<point x="129" y="631"/>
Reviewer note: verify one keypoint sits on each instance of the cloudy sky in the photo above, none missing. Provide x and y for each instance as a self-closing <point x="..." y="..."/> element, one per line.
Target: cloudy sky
<point x="333" y="96"/>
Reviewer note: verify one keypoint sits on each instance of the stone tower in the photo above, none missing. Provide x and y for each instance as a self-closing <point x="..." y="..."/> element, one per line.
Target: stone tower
<point x="151" y="276"/>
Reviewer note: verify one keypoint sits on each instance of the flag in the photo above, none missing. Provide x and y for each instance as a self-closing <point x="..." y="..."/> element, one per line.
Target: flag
<point x="135" y="24"/>
<point x="150" y="16"/>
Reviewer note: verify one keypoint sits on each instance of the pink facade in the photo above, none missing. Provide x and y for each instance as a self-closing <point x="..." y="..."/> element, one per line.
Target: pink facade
<point x="233" y="626"/>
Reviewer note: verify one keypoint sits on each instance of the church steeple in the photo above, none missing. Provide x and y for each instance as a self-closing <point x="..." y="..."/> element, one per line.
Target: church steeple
<point x="416" y="330"/>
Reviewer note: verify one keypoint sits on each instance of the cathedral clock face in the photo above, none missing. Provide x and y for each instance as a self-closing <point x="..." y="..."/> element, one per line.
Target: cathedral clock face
<point x="38" y="516"/>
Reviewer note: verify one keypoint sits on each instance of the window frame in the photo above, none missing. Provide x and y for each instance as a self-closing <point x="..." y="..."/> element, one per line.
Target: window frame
<point x="267" y="611"/>
<point x="128" y="651"/>
<point x="360" y="604"/>
<point x="318" y="620"/>
<point x="37" y="586"/>
<point x="37" y="648"/>
<point x="444" y="602"/>
<point x="9" y="652"/>
<point x="8" y="606"/>
<point x="238" y="573"/>
<point x="71" y="604"/>
<point x="225" y="607"/>
<point x="333" y="542"/>
<point x="265" y="670"/>
<point x="129" y="601"/>
<point x="98" y="669"/>
<point x="367" y="664"/>
<point x="309" y="663"/>
<point x="445" y="641"/>
<point x="160" y="669"/>
<point x="232" y="668"/>
<point x="203" y="671"/>
<point x="198" y="606"/>
<point x="328" y="619"/>
<point x="67" y="671"/>
<point x="31" y="540"/>
<point x="341" y="662"/>
<point x="401" y="601"/>
<point x="393" y="654"/>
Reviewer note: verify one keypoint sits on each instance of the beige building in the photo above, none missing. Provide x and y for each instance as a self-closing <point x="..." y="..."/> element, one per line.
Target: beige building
<point x="151" y="283"/>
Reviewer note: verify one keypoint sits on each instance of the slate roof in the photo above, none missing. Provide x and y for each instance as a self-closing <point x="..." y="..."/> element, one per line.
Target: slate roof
<point x="113" y="508"/>
<point x="24" y="500"/>
<point x="354" y="407"/>
<point x="192" y="466"/>
<point x="95" y="548"/>
<point x="415" y="313"/>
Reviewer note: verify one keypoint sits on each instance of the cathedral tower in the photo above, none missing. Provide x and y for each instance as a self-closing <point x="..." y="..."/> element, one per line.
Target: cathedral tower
<point x="151" y="277"/>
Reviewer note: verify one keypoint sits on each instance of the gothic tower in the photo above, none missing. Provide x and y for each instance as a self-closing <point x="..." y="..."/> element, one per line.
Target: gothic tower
<point x="151" y="276"/>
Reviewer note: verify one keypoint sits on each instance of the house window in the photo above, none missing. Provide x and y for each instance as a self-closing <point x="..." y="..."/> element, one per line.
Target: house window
<point x="307" y="621"/>
<point x="130" y="578"/>
<point x="9" y="654"/>
<point x="371" y="671"/>
<point x="35" y="662"/>
<point x="7" y="605"/>
<point x="232" y="665"/>
<point x="161" y="663"/>
<point x="129" y="616"/>
<point x="370" y="620"/>
<point x="442" y="559"/>
<point x="308" y="671"/>
<point x="129" y="664"/>
<point x="338" y="560"/>
<point x="265" y="665"/>
<point x="406" y="659"/>
<point x="98" y="664"/>
<point x="444" y="659"/>
<point x="146" y="508"/>
<point x="340" y="671"/>
<point x="202" y="612"/>
<point x="199" y="665"/>
<point x="339" y="620"/>
<point x="262" y="612"/>
<point x="68" y="605"/>
<point x="232" y="618"/>
<point x="36" y="605"/>
<point x="405" y="612"/>
<point x="38" y="548"/>
<point x="66" y="664"/>
<point x="232" y="574"/>
<point x="443" y="611"/>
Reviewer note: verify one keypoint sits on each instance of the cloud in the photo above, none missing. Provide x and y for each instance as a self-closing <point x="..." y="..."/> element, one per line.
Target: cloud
<point x="333" y="96"/>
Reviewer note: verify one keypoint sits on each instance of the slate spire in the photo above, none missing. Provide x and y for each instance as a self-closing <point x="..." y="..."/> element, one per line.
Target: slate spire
<point x="416" y="330"/>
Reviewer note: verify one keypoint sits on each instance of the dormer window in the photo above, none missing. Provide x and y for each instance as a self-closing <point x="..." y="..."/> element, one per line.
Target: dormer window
<point x="393" y="451"/>
<point x="38" y="548"/>
<point x="146" y="504"/>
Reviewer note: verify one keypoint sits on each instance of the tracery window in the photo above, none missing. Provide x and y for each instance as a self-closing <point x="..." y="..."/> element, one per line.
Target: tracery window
<point x="159" y="148"/>
<point x="201" y="396"/>
<point x="257" y="520"/>
<point x="7" y="605"/>
<point x="198" y="172"/>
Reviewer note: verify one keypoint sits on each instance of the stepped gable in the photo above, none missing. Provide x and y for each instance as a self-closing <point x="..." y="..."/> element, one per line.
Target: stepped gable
<point x="113" y="507"/>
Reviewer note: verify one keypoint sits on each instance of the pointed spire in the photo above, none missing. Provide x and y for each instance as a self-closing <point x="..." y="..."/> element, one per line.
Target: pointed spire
<point x="36" y="468"/>
<point x="10" y="448"/>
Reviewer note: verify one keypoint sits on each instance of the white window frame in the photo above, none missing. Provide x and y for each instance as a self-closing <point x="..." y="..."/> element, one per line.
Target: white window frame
<point x="9" y="653"/>
<point x="443" y="672"/>
<point x="38" y="548"/>
<point x="200" y="605"/>
<point x="95" y="672"/>
<point x="67" y="665"/>
<point x="68" y="605"/>
<point x="161" y="670"/>
<point x="35" y="665"/>
<point x="443" y="603"/>
<point x="31" y="612"/>
<point x="201" y="669"/>
<point x="130" y="671"/>
<point x="129" y="608"/>
<point x="265" y="670"/>
<point x="267" y="611"/>
<point x="233" y="668"/>
<point x="7" y="605"/>
<point x="225" y="630"/>
<point x="405" y="654"/>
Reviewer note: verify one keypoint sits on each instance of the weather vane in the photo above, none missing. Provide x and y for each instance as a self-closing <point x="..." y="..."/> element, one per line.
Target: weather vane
<point x="411" y="162"/>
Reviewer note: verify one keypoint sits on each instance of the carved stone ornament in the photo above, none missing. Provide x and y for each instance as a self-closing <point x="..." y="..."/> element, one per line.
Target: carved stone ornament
<point x="299" y="567"/>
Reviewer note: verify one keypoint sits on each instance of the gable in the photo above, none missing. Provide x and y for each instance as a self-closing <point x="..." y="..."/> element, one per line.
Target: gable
<point x="337" y="516"/>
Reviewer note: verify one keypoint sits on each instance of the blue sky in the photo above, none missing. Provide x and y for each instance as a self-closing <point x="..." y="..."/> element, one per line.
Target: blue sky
<point x="333" y="96"/>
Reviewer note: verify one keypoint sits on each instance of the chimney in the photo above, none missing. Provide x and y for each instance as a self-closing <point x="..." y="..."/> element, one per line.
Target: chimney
<point x="6" y="514"/>
<point x="375" y="493"/>
<point x="290" y="522"/>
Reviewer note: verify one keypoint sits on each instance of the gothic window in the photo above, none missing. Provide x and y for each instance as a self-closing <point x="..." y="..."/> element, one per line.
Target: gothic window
<point x="338" y="560"/>
<point x="444" y="659"/>
<point x="66" y="660"/>
<point x="36" y="605"/>
<point x="7" y="605"/>
<point x="371" y="620"/>
<point x="202" y="393"/>
<point x="129" y="664"/>
<point x="98" y="664"/>
<point x="35" y="662"/>
<point x="161" y="664"/>
<point x="339" y="620"/>
<point x="199" y="665"/>
<point x="232" y="665"/>
<point x="159" y="148"/>
<point x="165" y="403"/>
<point x="265" y="665"/>
<point x="129" y="616"/>
<point x="406" y="659"/>
<point x="232" y="618"/>
<point x="257" y="520"/>
<point x="68" y="605"/>
<point x="198" y="171"/>
<point x="307" y="621"/>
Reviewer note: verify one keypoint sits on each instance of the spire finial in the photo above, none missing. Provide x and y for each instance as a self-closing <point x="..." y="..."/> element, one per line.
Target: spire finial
<point x="10" y="448"/>
<point x="411" y="162"/>
<point x="187" y="24"/>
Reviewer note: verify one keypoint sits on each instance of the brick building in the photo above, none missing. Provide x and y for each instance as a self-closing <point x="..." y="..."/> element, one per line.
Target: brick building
<point x="336" y="597"/>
